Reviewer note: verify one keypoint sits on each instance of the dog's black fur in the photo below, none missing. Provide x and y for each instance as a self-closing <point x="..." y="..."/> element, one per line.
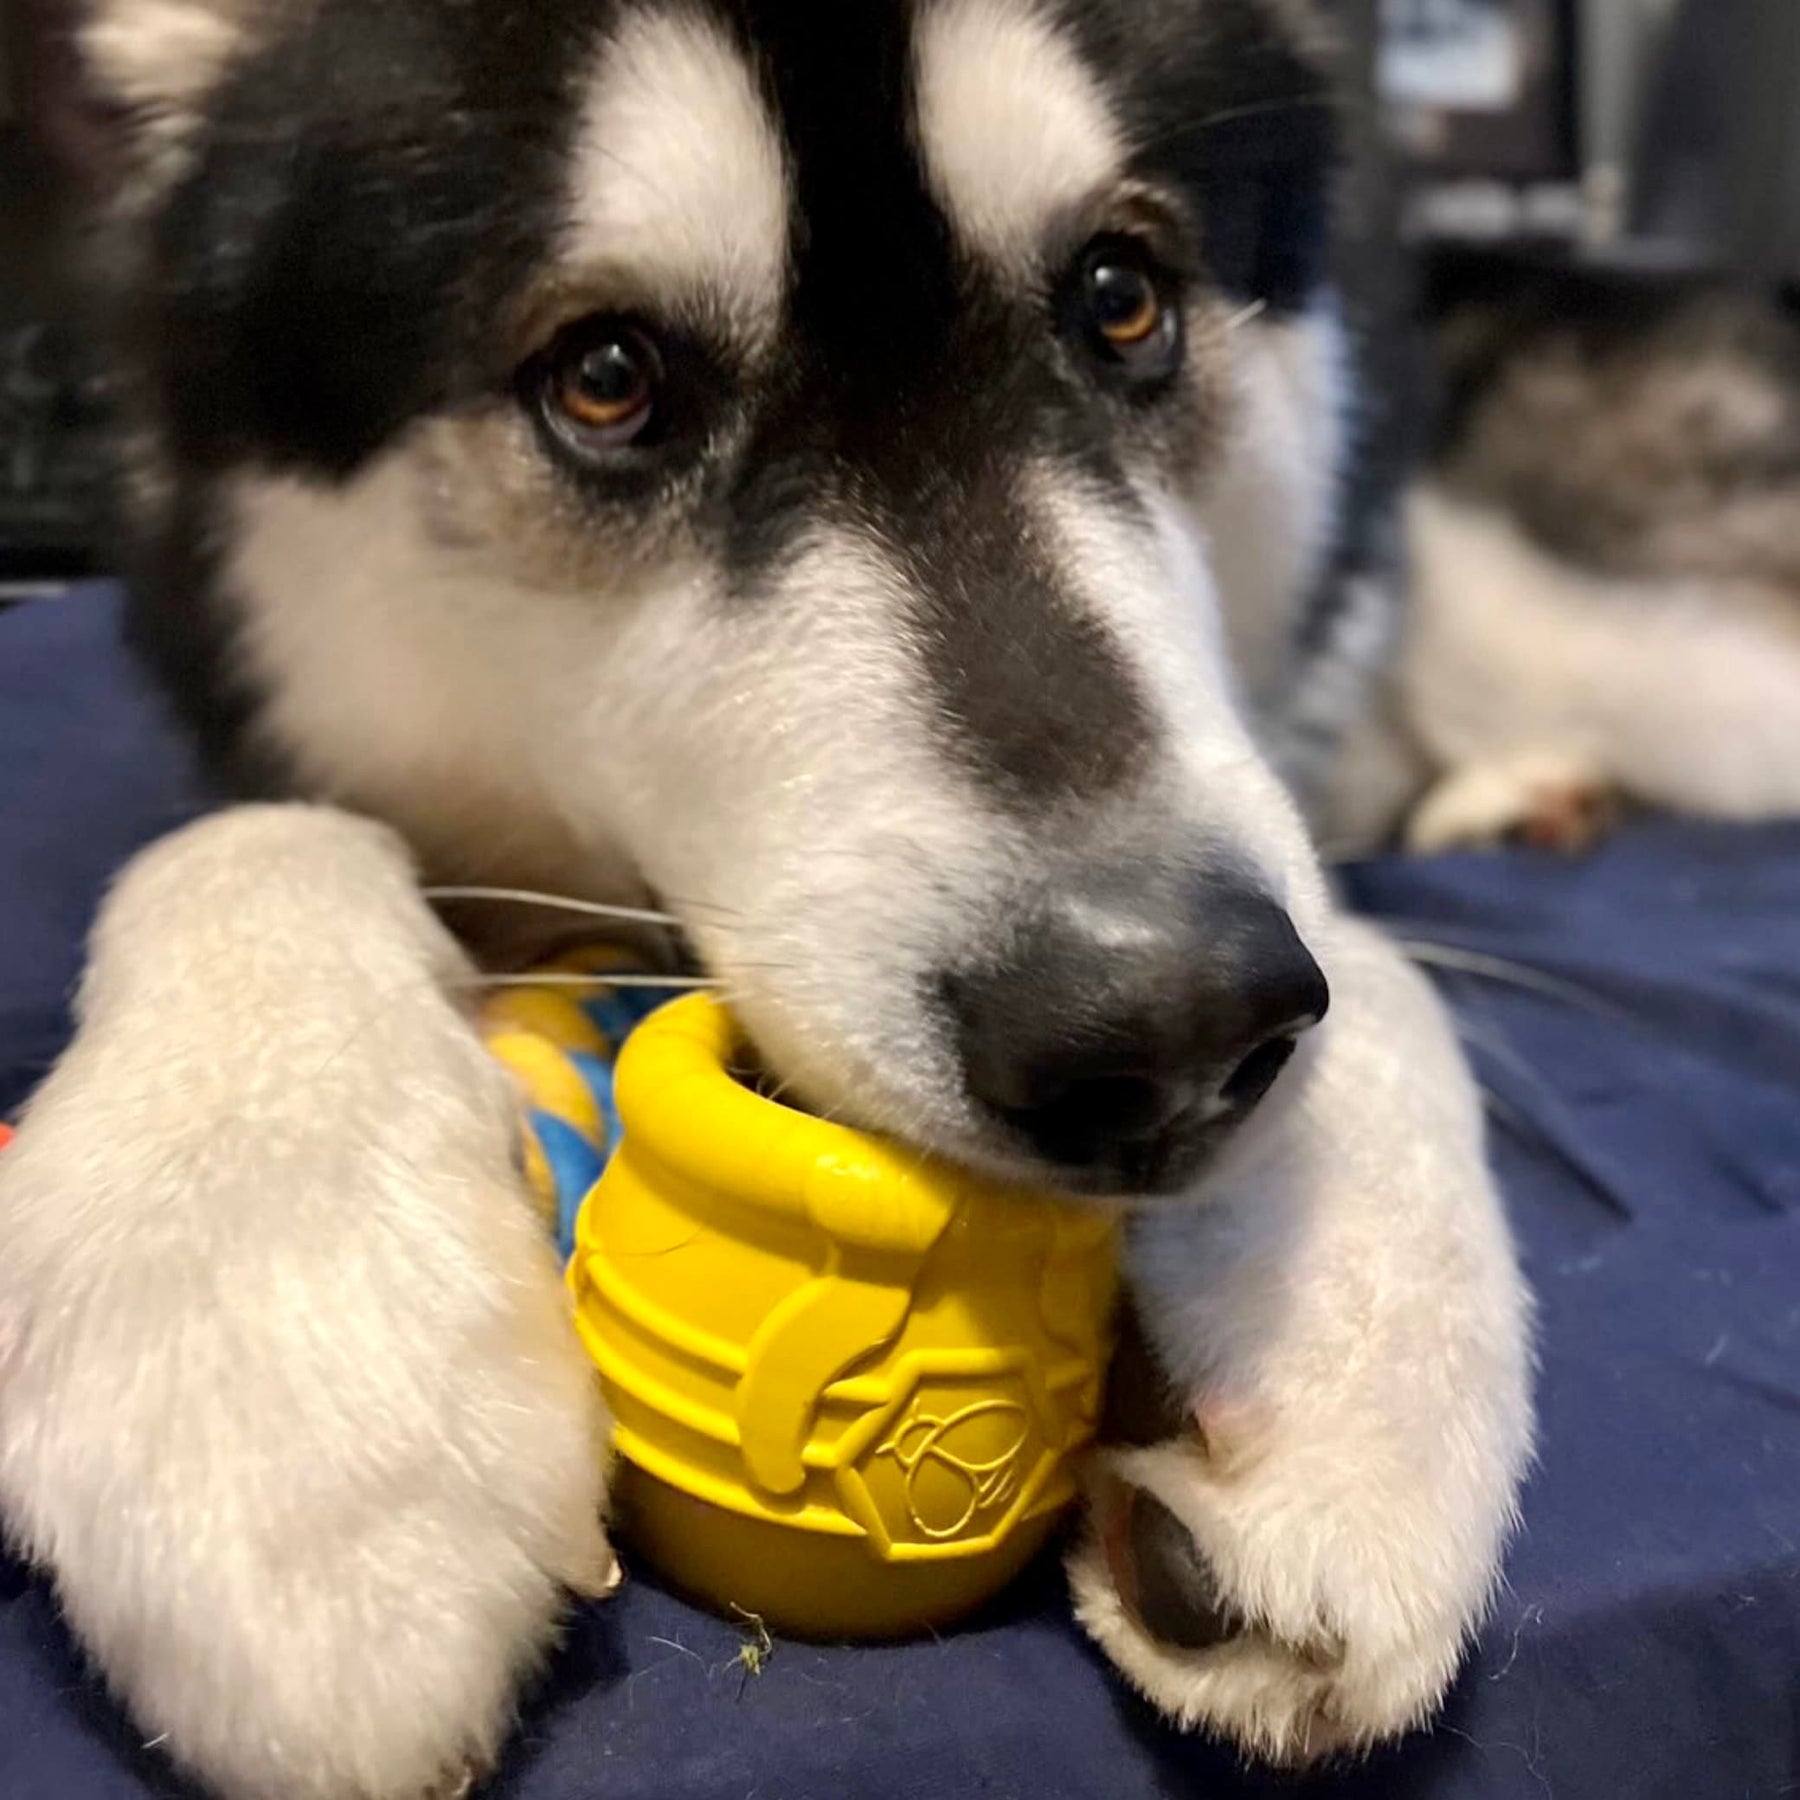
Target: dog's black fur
<point x="334" y="263"/>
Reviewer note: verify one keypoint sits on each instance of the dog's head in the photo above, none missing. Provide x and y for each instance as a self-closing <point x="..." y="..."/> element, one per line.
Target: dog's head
<point x="811" y="460"/>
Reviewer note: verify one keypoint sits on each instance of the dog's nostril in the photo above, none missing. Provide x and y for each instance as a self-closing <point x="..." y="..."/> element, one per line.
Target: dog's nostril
<point x="1068" y="1120"/>
<point x="1256" y="1074"/>
<point x="1119" y="1105"/>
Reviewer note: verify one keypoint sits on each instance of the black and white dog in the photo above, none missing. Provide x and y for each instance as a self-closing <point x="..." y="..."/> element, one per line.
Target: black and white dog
<point x="873" y="475"/>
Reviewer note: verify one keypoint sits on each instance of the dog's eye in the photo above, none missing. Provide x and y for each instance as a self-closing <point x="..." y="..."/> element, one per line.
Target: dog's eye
<point x="600" y="384"/>
<point x="1127" y="309"/>
<point x="1126" y="306"/>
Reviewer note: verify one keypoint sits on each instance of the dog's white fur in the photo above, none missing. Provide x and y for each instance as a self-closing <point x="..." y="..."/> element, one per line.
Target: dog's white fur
<point x="288" y="1402"/>
<point x="589" y="726"/>
<point x="681" y="184"/>
<point x="163" y="55"/>
<point x="1013" y="129"/>
<point x="1526" y="679"/>
<point x="159" y="59"/>
<point x="1271" y="513"/>
<point x="289" y="1396"/>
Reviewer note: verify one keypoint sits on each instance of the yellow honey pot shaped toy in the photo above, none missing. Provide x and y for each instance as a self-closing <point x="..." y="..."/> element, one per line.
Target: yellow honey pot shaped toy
<point x="847" y="1381"/>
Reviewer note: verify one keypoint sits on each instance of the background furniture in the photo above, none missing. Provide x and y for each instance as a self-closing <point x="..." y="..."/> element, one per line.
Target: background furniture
<point x="1656" y="133"/>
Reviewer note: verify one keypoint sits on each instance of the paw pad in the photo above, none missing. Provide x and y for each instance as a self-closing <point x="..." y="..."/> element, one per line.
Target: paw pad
<point x="1162" y="1579"/>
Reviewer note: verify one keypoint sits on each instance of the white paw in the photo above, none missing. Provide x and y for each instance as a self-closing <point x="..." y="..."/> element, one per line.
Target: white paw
<point x="289" y="1401"/>
<point x="1296" y="1626"/>
<point x="1331" y="1388"/>
<point x="1549" y="801"/>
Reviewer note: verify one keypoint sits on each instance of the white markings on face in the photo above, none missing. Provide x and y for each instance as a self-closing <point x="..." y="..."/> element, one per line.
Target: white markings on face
<point x="1013" y="128"/>
<point x="1271" y="504"/>
<point x="405" y="681"/>
<point x="786" y="770"/>
<point x="158" y="60"/>
<point x="160" y="55"/>
<point x="681" y="184"/>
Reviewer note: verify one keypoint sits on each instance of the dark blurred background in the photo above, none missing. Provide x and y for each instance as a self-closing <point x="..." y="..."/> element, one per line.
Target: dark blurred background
<point x="1649" y="133"/>
<point x="1655" y="136"/>
<point x="52" y="402"/>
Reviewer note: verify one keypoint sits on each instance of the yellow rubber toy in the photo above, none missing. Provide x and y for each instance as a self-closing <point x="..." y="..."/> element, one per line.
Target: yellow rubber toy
<point x="847" y="1382"/>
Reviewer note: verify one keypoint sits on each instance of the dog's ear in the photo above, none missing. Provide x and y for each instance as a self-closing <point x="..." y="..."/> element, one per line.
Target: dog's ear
<point x="111" y="88"/>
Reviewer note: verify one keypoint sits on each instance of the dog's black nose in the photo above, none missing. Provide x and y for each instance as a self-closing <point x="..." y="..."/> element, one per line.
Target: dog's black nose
<point x="1132" y="1026"/>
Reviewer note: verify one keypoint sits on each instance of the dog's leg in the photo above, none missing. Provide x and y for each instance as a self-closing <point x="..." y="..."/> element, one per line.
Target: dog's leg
<point x="1541" y="691"/>
<point x="1551" y="801"/>
<point x="1298" y="1559"/>
<point x="289" y="1400"/>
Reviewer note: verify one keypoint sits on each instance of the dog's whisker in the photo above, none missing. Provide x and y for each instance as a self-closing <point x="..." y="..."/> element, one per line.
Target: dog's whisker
<point x="1323" y="99"/>
<point x="1510" y="974"/>
<point x="595" y="909"/>
<point x="1548" y="1130"/>
<point x="703" y="906"/>
<point x="599" y="979"/>
<point x="1246" y="315"/>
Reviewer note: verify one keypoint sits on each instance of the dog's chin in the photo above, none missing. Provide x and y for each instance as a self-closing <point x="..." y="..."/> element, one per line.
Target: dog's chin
<point x="1168" y="1166"/>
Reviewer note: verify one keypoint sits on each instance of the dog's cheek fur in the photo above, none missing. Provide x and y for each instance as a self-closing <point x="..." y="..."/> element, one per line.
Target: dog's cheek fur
<point x="1271" y="506"/>
<point x="770" y="763"/>
<point x="769" y="769"/>
<point x="784" y="787"/>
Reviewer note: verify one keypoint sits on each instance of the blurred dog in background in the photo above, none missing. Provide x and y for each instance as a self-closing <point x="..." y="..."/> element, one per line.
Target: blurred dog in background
<point x="1604" y="595"/>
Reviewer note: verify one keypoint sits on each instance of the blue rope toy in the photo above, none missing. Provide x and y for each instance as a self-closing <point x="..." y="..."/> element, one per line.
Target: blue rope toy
<point x="560" y="1042"/>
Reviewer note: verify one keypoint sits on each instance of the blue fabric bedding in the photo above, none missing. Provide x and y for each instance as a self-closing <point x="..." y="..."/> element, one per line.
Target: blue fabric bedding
<point x="1636" y="1019"/>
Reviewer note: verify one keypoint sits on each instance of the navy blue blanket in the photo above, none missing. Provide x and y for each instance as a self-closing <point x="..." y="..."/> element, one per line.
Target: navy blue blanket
<point x="1636" y="1019"/>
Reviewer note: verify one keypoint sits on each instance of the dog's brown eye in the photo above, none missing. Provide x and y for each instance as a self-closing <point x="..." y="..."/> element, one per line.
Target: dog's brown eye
<point x="1126" y="305"/>
<point x="1128" y="309"/>
<point x="600" y="384"/>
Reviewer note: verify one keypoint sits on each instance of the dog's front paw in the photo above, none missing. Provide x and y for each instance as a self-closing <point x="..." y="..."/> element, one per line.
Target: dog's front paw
<point x="1329" y="1377"/>
<point x="1543" y="802"/>
<point x="290" y="1405"/>
<point x="1296" y="1625"/>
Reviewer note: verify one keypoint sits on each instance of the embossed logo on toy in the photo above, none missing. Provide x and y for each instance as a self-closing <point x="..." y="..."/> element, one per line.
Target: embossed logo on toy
<point x="961" y="1468"/>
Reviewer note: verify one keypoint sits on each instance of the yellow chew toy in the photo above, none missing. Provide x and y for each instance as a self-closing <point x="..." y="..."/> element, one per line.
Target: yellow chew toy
<point x="847" y="1382"/>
